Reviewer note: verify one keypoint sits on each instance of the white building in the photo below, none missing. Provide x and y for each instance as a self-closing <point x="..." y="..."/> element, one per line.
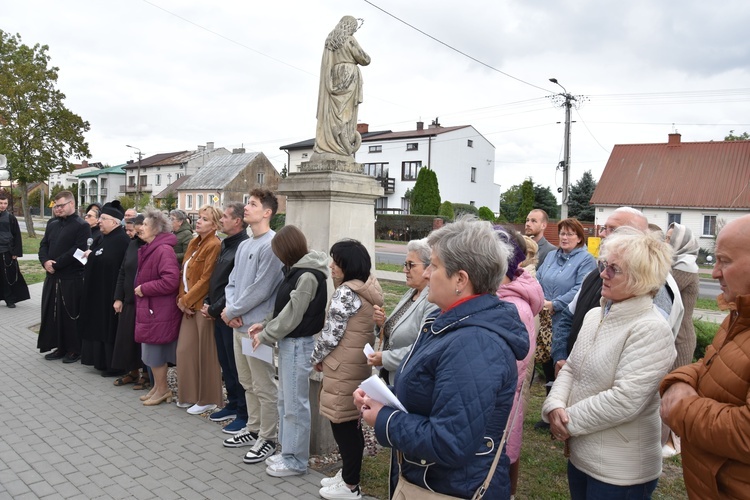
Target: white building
<point x="100" y="185"/>
<point x="70" y="179"/>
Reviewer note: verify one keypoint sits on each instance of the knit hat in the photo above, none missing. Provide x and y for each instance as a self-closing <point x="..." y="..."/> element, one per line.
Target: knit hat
<point x="113" y="209"/>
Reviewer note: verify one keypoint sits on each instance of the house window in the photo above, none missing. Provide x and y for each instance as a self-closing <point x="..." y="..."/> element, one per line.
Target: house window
<point x="177" y="176"/>
<point x="409" y="170"/>
<point x="158" y="179"/>
<point x="379" y="170"/>
<point x="261" y="177"/>
<point x="144" y="179"/>
<point x="131" y="181"/>
<point x="676" y="218"/>
<point x="381" y="203"/>
<point x="198" y="200"/>
<point x="412" y="146"/>
<point x="709" y="225"/>
<point x="188" y="201"/>
<point x="246" y="199"/>
<point x="375" y="149"/>
<point x="406" y="205"/>
<point x="470" y="143"/>
<point x="473" y="174"/>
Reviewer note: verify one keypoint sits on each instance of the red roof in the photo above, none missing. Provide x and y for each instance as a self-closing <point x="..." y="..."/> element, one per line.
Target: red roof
<point x="677" y="175"/>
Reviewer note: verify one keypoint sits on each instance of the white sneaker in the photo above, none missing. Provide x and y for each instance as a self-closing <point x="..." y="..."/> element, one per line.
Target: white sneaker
<point x="280" y="469"/>
<point x="330" y="481"/>
<point x="340" y="491"/>
<point x="197" y="409"/>
<point x="261" y="450"/>
<point x="274" y="459"/>
<point x="183" y="405"/>
<point x="667" y="451"/>
<point x="241" y="439"/>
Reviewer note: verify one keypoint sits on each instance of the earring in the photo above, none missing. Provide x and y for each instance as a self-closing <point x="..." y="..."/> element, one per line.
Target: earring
<point x="457" y="292"/>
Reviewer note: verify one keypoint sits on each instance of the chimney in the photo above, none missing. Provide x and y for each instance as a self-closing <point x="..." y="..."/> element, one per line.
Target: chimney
<point x="674" y="139"/>
<point x="201" y="148"/>
<point x="238" y="151"/>
<point x="435" y="124"/>
<point x="363" y="128"/>
<point x="210" y="146"/>
<point x="420" y="125"/>
<point x="84" y="164"/>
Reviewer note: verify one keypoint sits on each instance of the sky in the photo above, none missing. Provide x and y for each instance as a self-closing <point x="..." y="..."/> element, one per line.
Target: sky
<point x="168" y="75"/>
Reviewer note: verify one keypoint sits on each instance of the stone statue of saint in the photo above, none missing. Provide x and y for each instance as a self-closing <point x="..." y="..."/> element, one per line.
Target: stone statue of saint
<point x="336" y="136"/>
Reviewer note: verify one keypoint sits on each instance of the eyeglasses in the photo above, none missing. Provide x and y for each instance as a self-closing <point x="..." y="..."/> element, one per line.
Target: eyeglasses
<point x="609" y="270"/>
<point x="87" y="216"/>
<point x="606" y="229"/>
<point x="408" y="264"/>
<point x="567" y="235"/>
<point x="60" y="205"/>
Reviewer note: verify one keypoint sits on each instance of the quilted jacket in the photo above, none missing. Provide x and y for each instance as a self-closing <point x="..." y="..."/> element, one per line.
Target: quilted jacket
<point x="457" y="384"/>
<point x="608" y="388"/>
<point x="714" y="427"/>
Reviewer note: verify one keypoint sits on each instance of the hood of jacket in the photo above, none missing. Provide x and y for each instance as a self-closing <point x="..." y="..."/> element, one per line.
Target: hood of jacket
<point x="159" y="240"/>
<point x="314" y="259"/>
<point x="489" y="313"/>
<point x="369" y="290"/>
<point x="526" y="288"/>
<point x="185" y="226"/>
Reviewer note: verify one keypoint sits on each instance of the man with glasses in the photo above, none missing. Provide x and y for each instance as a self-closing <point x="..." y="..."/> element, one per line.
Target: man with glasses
<point x="61" y="295"/>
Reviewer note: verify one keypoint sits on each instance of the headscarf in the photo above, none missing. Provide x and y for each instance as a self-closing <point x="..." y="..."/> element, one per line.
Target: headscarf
<point x="685" y="248"/>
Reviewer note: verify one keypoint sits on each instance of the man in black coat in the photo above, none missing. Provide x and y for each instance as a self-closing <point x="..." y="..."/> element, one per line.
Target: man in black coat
<point x="12" y="285"/>
<point x="66" y="233"/>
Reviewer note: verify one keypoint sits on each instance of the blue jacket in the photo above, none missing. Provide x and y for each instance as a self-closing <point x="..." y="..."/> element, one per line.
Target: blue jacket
<point x="457" y="384"/>
<point x="561" y="276"/>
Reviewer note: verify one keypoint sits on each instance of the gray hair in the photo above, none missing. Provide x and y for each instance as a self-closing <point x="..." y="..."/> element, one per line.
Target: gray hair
<point x="472" y="246"/>
<point x="645" y="259"/>
<point x="421" y="248"/>
<point x="178" y="214"/>
<point x="238" y="211"/>
<point x="159" y="221"/>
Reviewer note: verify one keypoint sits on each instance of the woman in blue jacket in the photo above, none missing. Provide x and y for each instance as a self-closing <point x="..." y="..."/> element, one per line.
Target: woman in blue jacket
<point x="458" y="382"/>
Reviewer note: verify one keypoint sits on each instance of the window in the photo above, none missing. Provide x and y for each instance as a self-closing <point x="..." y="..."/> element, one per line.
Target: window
<point x="261" y="177"/>
<point x="709" y="225"/>
<point x="379" y="170"/>
<point x="158" y="179"/>
<point x="246" y="199"/>
<point x="412" y="146"/>
<point x="188" y="201"/>
<point x="473" y="174"/>
<point x="406" y="205"/>
<point x="673" y="218"/>
<point x="381" y="203"/>
<point x="198" y="200"/>
<point x="177" y="176"/>
<point x="375" y="149"/>
<point x="470" y="143"/>
<point x="144" y="179"/>
<point x="131" y="181"/>
<point x="409" y="170"/>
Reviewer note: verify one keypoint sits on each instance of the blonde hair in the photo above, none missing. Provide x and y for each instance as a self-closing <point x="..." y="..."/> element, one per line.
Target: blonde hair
<point x="213" y="214"/>
<point x="532" y="250"/>
<point x="644" y="258"/>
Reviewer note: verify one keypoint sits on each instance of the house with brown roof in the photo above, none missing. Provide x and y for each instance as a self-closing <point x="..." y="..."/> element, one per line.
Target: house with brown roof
<point x="701" y="185"/>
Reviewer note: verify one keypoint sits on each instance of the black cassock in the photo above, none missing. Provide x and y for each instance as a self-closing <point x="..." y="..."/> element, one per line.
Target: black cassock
<point x="97" y="324"/>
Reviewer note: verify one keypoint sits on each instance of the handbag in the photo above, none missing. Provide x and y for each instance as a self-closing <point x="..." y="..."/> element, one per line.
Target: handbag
<point x="543" y="352"/>
<point x="409" y="491"/>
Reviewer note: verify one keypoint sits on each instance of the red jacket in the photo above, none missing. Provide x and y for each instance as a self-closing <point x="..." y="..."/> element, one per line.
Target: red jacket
<point x="157" y="317"/>
<point x="714" y="426"/>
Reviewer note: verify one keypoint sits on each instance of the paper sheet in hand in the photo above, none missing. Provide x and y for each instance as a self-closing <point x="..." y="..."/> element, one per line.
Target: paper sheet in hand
<point x="79" y="255"/>
<point x="263" y="352"/>
<point x="377" y="390"/>
<point x="369" y="350"/>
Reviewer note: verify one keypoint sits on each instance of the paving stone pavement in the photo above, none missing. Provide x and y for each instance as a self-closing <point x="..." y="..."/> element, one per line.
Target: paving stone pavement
<point x="66" y="432"/>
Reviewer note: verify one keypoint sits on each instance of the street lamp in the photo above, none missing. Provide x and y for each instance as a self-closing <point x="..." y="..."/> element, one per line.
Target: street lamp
<point x="137" y="176"/>
<point x="566" y="148"/>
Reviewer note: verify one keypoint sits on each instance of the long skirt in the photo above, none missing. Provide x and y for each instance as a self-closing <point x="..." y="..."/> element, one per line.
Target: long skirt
<point x="127" y="353"/>
<point x="198" y="369"/>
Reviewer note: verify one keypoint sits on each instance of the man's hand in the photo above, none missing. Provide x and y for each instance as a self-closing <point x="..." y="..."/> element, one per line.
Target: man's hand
<point x="48" y="266"/>
<point x="118" y="306"/>
<point x="674" y="394"/>
<point x="204" y="311"/>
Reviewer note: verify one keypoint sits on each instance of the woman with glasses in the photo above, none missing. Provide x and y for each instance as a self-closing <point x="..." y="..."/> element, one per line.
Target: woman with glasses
<point x="398" y="332"/>
<point x="605" y="403"/>
<point x="93" y="212"/>
<point x="561" y="275"/>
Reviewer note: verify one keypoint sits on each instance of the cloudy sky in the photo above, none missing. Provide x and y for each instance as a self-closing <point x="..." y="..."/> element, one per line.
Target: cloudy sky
<point x="167" y="75"/>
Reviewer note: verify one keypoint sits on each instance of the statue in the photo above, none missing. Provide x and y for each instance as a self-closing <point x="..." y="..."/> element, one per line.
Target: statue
<point x="336" y="136"/>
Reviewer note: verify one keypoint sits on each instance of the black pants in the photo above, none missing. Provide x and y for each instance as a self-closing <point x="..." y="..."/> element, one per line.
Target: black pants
<point x="351" y="441"/>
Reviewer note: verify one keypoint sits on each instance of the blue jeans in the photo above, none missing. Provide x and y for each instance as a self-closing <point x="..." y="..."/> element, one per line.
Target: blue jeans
<point x="582" y="487"/>
<point x="294" y="400"/>
<point x="225" y="349"/>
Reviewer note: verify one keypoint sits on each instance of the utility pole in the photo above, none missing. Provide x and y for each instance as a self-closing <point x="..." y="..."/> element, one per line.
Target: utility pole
<point x="565" y="164"/>
<point x="137" y="177"/>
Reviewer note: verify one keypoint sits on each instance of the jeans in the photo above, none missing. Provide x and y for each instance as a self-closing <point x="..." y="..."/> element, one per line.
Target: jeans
<point x="294" y="400"/>
<point x="582" y="486"/>
<point x="225" y="349"/>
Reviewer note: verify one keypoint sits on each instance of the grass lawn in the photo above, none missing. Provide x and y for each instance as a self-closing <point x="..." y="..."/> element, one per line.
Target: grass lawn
<point x="396" y="268"/>
<point x="707" y="304"/>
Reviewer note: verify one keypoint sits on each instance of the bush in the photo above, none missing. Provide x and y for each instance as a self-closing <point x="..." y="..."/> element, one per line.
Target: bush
<point x="425" y="197"/>
<point x="446" y="211"/>
<point x="464" y="208"/>
<point x="486" y="214"/>
<point x="278" y="221"/>
<point x="705" y="331"/>
<point x="403" y="227"/>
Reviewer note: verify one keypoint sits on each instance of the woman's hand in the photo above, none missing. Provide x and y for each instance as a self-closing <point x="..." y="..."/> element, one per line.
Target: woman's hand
<point x="117" y="306"/>
<point x="370" y="409"/>
<point x="138" y="291"/>
<point x="378" y="316"/>
<point x="318" y="367"/>
<point x="359" y="398"/>
<point x="375" y="359"/>
<point x="558" y="424"/>
<point x="548" y="307"/>
<point x="558" y="367"/>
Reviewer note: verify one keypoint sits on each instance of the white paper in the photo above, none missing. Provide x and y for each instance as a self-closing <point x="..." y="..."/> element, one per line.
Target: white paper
<point x="369" y="350"/>
<point x="377" y="390"/>
<point x="263" y="352"/>
<point x="79" y="255"/>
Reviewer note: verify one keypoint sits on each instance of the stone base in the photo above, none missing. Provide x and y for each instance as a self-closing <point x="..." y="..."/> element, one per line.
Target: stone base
<point x="331" y="162"/>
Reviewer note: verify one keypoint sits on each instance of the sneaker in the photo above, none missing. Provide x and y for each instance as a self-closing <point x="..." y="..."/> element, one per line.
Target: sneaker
<point x="330" y="481"/>
<point x="340" y="490"/>
<point x="241" y="439"/>
<point x="281" y="469"/>
<point x="71" y="357"/>
<point x="235" y="427"/>
<point x="261" y="450"/>
<point x="197" y="409"/>
<point x="223" y="414"/>
<point x="274" y="459"/>
<point x="180" y="404"/>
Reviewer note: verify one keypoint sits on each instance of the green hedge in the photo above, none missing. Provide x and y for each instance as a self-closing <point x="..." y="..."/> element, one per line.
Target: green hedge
<point x="704" y="335"/>
<point x="278" y="221"/>
<point x="403" y="227"/>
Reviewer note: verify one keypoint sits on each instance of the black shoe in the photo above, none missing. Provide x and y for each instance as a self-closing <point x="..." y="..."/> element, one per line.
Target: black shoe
<point x="55" y="355"/>
<point x="11" y="305"/>
<point x="541" y="426"/>
<point x="71" y="357"/>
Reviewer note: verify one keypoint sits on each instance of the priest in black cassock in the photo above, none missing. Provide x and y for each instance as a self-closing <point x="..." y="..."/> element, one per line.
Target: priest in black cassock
<point x="98" y="323"/>
<point x="12" y="285"/>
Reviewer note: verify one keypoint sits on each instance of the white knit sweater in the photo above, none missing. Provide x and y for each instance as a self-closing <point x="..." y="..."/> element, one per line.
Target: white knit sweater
<point x="608" y="387"/>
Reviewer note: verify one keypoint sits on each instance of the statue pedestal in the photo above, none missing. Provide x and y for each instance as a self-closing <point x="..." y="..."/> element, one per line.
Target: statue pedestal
<point x="328" y="206"/>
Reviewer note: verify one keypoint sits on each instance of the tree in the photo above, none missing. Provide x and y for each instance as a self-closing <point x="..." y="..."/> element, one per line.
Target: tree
<point x="170" y="201"/>
<point x="38" y="132"/>
<point x="742" y="137"/>
<point x="446" y="210"/>
<point x="510" y="203"/>
<point x="545" y="200"/>
<point x="527" y="200"/>
<point x="580" y="196"/>
<point x="486" y="214"/>
<point x="425" y="197"/>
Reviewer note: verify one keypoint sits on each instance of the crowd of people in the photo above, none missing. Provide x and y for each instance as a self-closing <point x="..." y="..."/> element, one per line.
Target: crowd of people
<point x="458" y="350"/>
